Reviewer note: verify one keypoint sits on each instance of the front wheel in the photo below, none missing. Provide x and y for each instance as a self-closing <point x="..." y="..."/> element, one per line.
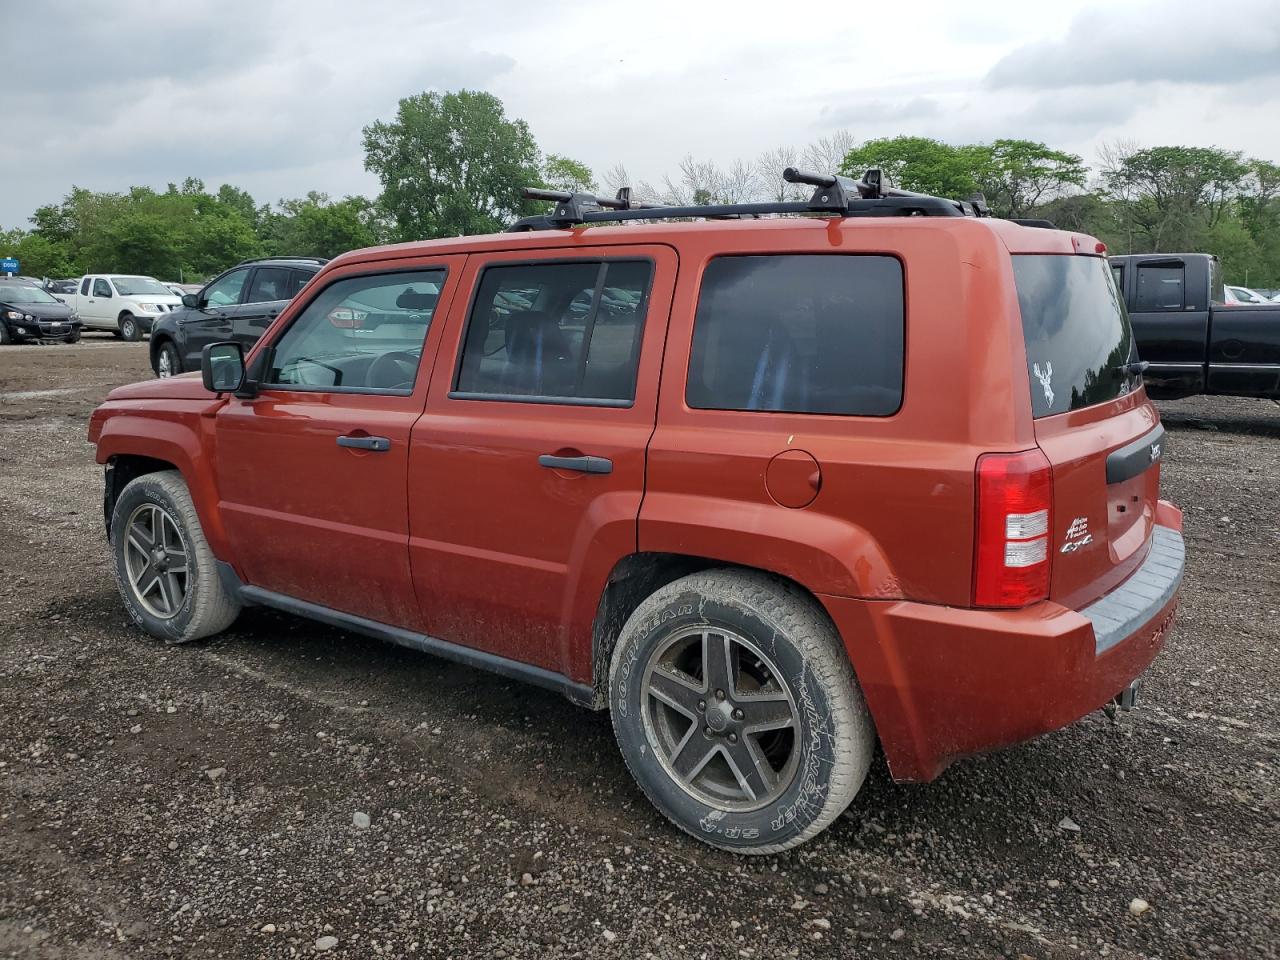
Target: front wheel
<point x="5" y="335"/>
<point x="167" y="362"/>
<point x="738" y="712"/>
<point x="129" y="329"/>
<point x="164" y="568"/>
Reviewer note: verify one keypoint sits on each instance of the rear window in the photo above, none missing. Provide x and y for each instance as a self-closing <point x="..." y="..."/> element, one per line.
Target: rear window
<point x="1076" y="330"/>
<point x="816" y="333"/>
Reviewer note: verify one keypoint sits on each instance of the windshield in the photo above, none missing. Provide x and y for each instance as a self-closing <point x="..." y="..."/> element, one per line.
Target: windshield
<point x="21" y="293"/>
<point x="134" y="286"/>
<point x="1076" y="331"/>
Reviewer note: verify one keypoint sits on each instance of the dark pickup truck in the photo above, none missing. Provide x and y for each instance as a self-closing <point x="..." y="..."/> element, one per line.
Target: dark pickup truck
<point x="1192" y="341"/>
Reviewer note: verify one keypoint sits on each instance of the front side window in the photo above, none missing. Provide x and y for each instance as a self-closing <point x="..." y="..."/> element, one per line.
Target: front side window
<point x="225" y="291"/>
<point x="806" y="333"/>
<point x="564" y="331"/>
<point x="269" y="283"/>
<point x="1076" y="332"/>
<point x="361" y="334"/>
<point x="1159" y="288"/>
<point x="101" y="288"/>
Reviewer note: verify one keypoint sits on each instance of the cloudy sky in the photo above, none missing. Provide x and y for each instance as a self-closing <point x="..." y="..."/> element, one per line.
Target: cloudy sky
<point x="271" y="95"/>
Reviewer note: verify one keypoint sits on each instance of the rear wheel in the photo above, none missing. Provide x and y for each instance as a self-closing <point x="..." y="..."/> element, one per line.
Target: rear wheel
<point x="129" y="329"/>
<point x="737" y="711"/>
<point x="167" y="362"/>
<point x="164" y="568"/>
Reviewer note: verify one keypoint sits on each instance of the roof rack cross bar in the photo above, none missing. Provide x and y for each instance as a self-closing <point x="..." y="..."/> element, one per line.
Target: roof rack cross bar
<point x="833" y="194"/>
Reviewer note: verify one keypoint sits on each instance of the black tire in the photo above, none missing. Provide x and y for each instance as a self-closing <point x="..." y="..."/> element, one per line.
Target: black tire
<point x="5" y="336"/>
<point x="74" y="338"/>
<point x="205" y="606"/>
<point x="167" y="352"/>
<point x="130" y="330"/>
<point x="831" y="735"/>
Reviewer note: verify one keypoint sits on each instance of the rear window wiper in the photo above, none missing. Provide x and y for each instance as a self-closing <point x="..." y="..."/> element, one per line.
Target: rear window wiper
<point x="1132" y="369"/>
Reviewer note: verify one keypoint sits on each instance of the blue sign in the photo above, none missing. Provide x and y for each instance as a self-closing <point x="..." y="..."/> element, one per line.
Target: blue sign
<point x="9" y="265"/>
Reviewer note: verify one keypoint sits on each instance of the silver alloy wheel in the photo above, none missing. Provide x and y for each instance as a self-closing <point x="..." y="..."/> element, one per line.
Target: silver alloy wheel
<point x="155" y="559"/>
<point x="721" y="719"/>
<point x="164" y="365"/>
<point x="127" y="328"/>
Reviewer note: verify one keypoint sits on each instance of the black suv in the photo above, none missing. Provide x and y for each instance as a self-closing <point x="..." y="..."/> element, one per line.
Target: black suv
<point x="236" y="305"/>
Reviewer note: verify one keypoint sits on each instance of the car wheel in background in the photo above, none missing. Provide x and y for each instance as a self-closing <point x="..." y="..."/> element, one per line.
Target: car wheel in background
<point x="167" y="362"/>
<point x="4" y="334"/>
<point x="163" y="565"/>
<point x="738" y="712"/>
<point x="75" y="337"/>
<point x="129" y="329"/>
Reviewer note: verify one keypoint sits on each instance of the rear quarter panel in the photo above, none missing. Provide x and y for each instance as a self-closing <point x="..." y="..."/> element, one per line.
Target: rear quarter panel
<point x="893" y="516"/>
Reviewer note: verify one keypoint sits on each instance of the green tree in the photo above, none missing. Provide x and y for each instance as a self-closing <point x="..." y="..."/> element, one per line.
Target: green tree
<point x="315" y="226"/>
<point x="451" y="164"/>
<point x="1018" y="175"/>
<point x="921" y="164"/>
<point x="1170" y="196"/>
<point x="564" y="173"/>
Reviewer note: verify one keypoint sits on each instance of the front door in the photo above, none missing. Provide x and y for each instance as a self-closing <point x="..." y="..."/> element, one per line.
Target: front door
<point x="210" y="321"/>
<point x="97" y="303"/>
<point x="527" y="467"/>
<point x="312" y="471"/>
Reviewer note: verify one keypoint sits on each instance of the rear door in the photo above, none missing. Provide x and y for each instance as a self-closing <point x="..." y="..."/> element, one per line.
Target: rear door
<point x="528" y="465"/>
<point x="1169" y="312"/>
<point x="269" y="291"/>
<point x="1101" y="435"/>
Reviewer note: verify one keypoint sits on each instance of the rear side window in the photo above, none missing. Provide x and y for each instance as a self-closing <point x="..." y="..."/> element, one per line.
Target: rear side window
<point x="559" y="332"/>
<point x="269" y="283"/>
<point x="807" y="333"/>
<point x="1076" y="330"/>
<point x="1159" y="288"/>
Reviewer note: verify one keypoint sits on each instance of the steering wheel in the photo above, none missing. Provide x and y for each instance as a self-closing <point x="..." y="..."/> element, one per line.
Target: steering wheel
<point x="393" y="371"/>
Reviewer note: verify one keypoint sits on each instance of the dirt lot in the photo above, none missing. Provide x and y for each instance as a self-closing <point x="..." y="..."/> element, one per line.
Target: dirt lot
<point x="198" y="801"/>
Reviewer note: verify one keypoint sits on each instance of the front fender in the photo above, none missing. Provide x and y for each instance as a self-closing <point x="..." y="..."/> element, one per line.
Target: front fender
<point x="821" y="552"/>
<point x="180" y="433"/>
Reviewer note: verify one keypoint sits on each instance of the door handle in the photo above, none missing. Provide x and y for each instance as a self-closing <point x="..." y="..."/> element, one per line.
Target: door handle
<point x="582" y="464"/>
<point x="379" y="444"/>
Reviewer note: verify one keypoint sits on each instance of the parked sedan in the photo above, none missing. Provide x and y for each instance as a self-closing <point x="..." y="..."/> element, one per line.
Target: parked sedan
<point x="1238" y="294"/>
<point x="27" y="312"/>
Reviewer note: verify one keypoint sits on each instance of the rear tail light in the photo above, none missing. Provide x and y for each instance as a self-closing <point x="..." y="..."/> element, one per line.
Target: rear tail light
<point x="1015" y="500"/>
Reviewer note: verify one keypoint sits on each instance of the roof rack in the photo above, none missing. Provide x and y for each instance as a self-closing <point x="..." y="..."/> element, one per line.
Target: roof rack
<point x="284" y="256"/>
<point x="868" y="197"/>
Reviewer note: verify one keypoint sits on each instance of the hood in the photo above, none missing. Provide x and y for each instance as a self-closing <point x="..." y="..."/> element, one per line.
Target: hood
<point x="45" y="311"/>
<point x="185" y="386"/>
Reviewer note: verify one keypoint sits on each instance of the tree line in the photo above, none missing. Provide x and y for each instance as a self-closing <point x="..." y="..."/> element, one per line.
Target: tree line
<point x="454" y="163"/>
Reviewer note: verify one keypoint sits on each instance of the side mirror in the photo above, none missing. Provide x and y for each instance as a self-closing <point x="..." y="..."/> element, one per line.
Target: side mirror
<point x="222" y="367"/>
<point x="190" y="301"/>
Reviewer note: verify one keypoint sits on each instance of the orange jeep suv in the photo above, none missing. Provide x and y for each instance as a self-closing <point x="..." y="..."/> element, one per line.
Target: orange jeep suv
<point x="770" y="482"/>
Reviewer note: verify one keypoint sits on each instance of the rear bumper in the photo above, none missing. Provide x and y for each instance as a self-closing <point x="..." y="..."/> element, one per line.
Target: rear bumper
<point x="946" y="682"/>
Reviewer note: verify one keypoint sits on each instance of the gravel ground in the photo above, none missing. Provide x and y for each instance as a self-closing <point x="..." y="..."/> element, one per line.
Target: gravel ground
<point x="212" y="800"/>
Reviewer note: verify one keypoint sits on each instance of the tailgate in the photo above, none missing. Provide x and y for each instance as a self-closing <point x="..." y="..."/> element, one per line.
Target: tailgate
<point x="1106" y="481"/>
<point x="1101" y="435"/>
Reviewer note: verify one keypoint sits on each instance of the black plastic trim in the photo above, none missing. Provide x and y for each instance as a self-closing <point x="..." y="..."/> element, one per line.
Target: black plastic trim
<point x="580" y="693"/>
<point x="538" y="398"/>
<point x="1134" y="458"/>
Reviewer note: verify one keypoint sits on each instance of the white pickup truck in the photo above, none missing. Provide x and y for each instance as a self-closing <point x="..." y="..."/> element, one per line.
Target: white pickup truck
<point x="126" y="305"/>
